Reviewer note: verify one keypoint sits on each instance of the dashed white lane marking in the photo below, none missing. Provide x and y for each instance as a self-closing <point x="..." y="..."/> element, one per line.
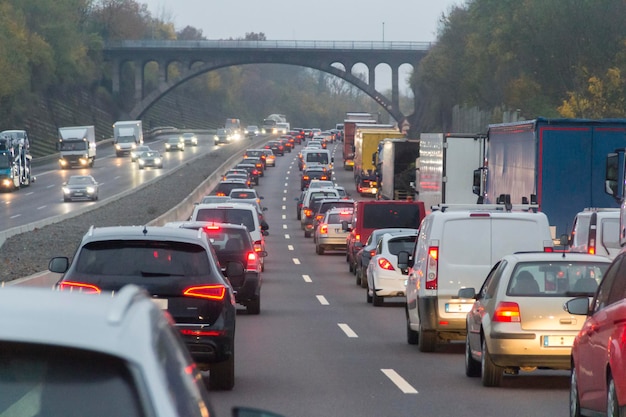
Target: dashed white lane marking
<point x="286" y="184"/>
<point x="287" y="236"/>
<point x="307" y="278"/>
<point x="400" y="382"/>
<point x="41" y="207"/>
<point x="284" y="216"/>
<point x="287" y="178"/>
<point x="296" y="261"/>
<point x="284" y="226"/>
<point x="284" y="198"/>
<point x="290" y="247"/>
<point x="51" y="186"/>
<point x="15" y="216"/>
<point x="323" y="301"/>
<point x="284" y="207"/>
<point x="285" y="191"/>
<point x="347" y="330"/>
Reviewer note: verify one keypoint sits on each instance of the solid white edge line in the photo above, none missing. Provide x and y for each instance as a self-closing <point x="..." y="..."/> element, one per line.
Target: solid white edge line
<point x="347" y="330"/>
<point x="400" y="382"/>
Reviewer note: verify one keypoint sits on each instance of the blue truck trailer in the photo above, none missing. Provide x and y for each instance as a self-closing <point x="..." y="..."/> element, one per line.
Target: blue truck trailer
<point x="558" y="164"/>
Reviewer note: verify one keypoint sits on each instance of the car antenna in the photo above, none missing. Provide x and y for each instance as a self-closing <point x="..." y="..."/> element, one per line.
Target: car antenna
<point x="145" y="230"/>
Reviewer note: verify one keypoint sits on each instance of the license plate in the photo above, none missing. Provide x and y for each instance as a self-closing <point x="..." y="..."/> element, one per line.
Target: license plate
<point x="458" y="308"/>
<point x="161" y="303"/>
<point x="558" y="341"/>
<point x="78" y="194"/>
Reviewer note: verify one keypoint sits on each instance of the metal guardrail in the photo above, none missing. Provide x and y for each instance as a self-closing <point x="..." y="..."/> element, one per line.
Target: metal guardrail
<point x="244" y="44"/>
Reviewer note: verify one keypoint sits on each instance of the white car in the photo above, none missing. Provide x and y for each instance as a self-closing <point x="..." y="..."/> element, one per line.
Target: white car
<point x="384" y="278"/>
<point x="329" y="234"/>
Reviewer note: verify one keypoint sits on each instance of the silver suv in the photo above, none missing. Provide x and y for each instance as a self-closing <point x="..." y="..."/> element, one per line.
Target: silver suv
<point x="70" y="354"/>
<point x="180" y="270"/>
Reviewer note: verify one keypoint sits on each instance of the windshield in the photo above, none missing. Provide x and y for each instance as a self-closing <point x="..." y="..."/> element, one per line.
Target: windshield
<point x="320" y="157"/>
<point x="125" y="139"/>
<point x="78" y="145"/>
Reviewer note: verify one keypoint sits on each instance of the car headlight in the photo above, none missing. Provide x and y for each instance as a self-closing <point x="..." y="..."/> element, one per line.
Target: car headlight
<point x="157" y="161"/>
<point x="66" y="190"/>
<point x="167" y="146"/>
<point x="118" y="147"/>
<point x="141" y="161"/>
<point x="91" y="190"/>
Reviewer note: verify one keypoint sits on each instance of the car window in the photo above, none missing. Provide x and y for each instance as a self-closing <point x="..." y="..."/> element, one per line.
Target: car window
<point x="376" y="216"/>
<point x="64" y="382"/>
<point x="227" y="215"/>
<point x="397" y="245"/>
<point x="146" y="259"/>
<point x="488" y="290"/>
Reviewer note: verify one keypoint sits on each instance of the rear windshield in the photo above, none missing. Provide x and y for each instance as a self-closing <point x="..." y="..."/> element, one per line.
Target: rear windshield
<point x="229" y="240"/>
<point x="397" y="245"/>
<point x="337" y="218"/>
<point x="378" y="216"/>
<point x="56" y="382"/>
<point x="144" y="258"/>
<point x="320" y="157"/>
<point x="325" y="206"/>
<point x="558" y="279"/>
<point x="227" y="215"/>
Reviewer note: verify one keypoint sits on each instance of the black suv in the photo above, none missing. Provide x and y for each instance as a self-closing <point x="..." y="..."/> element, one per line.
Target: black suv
<point x="181" y="272"/>
<point x="233" y="243"/>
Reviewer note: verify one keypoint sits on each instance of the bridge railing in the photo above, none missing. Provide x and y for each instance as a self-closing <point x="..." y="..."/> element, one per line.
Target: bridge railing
<point x="245" y="44"/>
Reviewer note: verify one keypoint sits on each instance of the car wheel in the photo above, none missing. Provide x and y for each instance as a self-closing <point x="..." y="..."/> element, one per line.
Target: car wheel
<point x="377" y="300"/>
<point x="427" y="340"/>
<point x="613" y="409"/>
<point x="298" y="215"/>
<point x="222" y="374"/>
<point x="412" y="337"/>
<point x="358" y="277"/>
<point x="254" y="307"/>
<point x="363" y="279"/>
<point x="491" y="373"/>
<point x="574" y="401"/>
<point x="350" y="266"/>
<point x="319" y="250"/>
<point x="368" y="297"/>
<point x="472" y="366"/>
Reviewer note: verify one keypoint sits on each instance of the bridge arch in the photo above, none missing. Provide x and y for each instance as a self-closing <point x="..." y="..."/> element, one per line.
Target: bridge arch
<point x="198" y="57"/>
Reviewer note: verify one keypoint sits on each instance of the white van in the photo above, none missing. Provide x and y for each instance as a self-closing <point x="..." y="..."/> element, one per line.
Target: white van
<point x="596" y="231"/>
<point x="456" y="247"/>
<point x="236" y="213"/>
<point x="322" y="157"/>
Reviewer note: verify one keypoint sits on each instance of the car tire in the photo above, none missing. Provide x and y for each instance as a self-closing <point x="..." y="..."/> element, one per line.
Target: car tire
<point x="319" y="250"/>
<point x="298" y="216"/>
<point x="613" y="409"/>
<point x="363" y="279"/>
<point x="358" y="277"/>
<point x="412" y="337"/>
<point x="253" y="307"/>
<point x="472" y="366"/>
<point x="368" y="297"/>
<point x="574" y="401"/>
<point x="222" y="374"/>
<point x="490" y="372"/>
<point x="377" y="301"/>
<point x="350" y="266"/>
<point x="427" y="340"/>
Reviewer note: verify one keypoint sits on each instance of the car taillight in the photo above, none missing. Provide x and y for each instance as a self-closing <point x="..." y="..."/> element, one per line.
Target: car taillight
<point x="324" y="177"/>
<point x="210" y="292"/>
<point x="258" y="246"/>
<point x="255" y="172"/>
<point x="219" y="193"/>
<point x="507" y="312"/>
<point x="190" y="332"/>
<point x="79" y="287"/>
<point x="357" y="237"/>
<point x="308" y="212"/>
<point x="431" y="268"/>
<point x="385" y="264"/>
<point x="319" y="217"/>
<point x="548" y="249"/>
<point x="373" y="252"/>
<point x="252" y="261"/>
<point x="259" y="165"/>
<point x="324" y="228"/>
<point x="306" y="177"/>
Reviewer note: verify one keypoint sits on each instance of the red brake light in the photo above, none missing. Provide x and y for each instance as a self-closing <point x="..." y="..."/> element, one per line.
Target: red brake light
<point x="385" y="264"/>
<point x="306" y="177"/>
<point x="373" y="252"/>
<point x="253" y="261"/>
<point x="211" y="292"/>
<point x="308" y="212"/>
<point x="324" y="228"/>
<point x="507" y="312"/>
<point x="357" y="237"/>
<point x="219" y="193"/>
<point x="319" y="217"/>
<point x="212" y="227"/>
<point x="258" y="246"/>
<point x="548" y="249"/>
<point x="80" y="287"/>
<point x="432" y="268"/>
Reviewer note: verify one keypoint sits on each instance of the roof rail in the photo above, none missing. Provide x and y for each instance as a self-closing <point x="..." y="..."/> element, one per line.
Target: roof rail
<point x="486" y="207"/>
<point x="602" y="209"/>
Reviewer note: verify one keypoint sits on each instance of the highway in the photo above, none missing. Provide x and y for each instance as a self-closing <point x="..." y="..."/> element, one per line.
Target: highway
<point x="318" y="349"/>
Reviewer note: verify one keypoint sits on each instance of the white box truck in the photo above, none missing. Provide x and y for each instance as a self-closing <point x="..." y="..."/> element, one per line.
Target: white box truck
<point x="127" y="135"/>
<point x="444" y="169"/>
<point x="77" y="146"/>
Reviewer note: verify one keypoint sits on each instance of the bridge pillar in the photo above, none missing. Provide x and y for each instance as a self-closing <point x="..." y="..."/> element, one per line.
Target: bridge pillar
<point x="138" y="81"/>
<point x="115" y="76"/>
<point x="372" y="76"/>
<point x="162" y="72"/>
<point x="395" y="89"/>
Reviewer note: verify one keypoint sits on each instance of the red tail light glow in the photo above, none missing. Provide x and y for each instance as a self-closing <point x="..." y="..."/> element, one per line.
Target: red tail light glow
<point x="253" y="261"/>
<point x="79" y="286"/>
<point x="432" y="268"/>
<point x="548" y="249"/>
<point x="507" y="312"/>
<point x="324" y="228"/>
<point x="385" y="264"/>
<point x="211" y="292"/>
<point x="308" y="212"/>
<point x="189" y="332"/>
<point x="258" y="246"/>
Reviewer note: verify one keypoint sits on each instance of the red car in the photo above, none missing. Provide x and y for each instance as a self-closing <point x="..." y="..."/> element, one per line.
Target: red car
<point x="598" y="376"/>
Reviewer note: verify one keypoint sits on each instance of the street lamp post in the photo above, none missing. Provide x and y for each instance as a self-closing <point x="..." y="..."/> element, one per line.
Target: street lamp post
<point x="383" y="31"/>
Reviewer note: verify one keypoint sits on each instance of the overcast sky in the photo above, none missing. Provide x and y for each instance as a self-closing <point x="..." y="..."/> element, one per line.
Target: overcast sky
<point x="396" y="20"/>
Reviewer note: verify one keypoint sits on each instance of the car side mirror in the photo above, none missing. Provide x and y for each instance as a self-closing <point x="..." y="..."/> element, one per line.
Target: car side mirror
<point x="467" y="293"/>
<point x="578" y="306"/>
<point x="345" y="226"/>
<point x="404" y="261"/>
<point x="265" y="233"/>
<point x="59" y="264"/>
